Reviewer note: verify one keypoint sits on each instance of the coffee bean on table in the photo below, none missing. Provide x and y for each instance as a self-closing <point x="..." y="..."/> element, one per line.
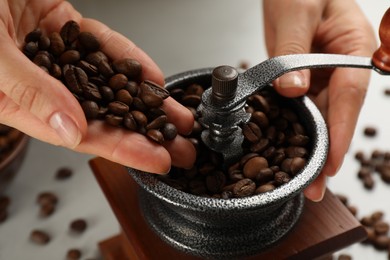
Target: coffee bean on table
<point x="73" y="254"/>
<point x="39" y="237"/>
<point x="78" y="225"/>
<point x="64" y="173"/>
<point x="370" y="131"/>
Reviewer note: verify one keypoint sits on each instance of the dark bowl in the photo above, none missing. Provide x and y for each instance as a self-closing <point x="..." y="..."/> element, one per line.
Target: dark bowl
<point x="220" y="228"/>
<point x="12" y="158"/>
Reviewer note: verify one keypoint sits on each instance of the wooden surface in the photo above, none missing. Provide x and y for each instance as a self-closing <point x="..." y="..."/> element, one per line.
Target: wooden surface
<point x="323" y="228"/>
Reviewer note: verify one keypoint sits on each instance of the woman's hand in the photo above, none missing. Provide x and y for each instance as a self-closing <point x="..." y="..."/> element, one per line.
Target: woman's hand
<point x="323" y="26"/>
<point x="41" y="106"/>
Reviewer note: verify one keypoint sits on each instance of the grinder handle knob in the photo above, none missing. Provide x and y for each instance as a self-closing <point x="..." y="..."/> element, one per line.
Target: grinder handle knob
<point x="224" y="83"/>
<point x="381" y="57"/>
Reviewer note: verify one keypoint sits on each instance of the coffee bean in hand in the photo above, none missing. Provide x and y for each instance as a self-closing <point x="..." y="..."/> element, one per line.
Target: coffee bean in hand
<point x="106" y="89"/>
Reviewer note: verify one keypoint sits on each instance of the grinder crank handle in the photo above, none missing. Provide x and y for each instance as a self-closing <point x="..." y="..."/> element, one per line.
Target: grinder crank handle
<point x="264" y="73"/>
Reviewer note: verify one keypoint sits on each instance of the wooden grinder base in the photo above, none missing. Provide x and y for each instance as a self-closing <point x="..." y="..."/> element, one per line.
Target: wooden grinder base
<point x="323" y="228"/>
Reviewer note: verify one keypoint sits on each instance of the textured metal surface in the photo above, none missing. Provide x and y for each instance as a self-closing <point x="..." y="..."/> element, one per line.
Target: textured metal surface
<point x="222" y="118"/>
<point x="203" y="225"/>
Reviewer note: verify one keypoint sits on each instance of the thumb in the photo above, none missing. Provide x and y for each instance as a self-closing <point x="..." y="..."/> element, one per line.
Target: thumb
<point x="289" y="29"/>
<point x="36" y="103"/>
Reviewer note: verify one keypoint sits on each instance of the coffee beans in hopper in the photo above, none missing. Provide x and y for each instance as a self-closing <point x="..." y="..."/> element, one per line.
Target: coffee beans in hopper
<point x="276" y="148"/>
<point x="109" y="90"/>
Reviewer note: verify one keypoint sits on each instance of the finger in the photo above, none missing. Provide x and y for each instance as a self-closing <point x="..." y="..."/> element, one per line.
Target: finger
<point x="135" y="150"/>
<point x="290" y="27"/>
<point x="36" y="93"/>
<point x="316" y="190"/>
<point x="116" y="46"/>
<point x="347" y="90"/>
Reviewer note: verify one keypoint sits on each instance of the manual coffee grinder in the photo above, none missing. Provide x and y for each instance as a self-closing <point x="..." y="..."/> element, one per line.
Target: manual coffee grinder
<point x="222" y="112"/>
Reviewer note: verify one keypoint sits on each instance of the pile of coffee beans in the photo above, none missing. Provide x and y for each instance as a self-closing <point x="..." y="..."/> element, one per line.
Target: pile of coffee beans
<point x="376" y="226"/>
<point x="109" y="90"/>
<point x="276" y="147"/>
<point x="378" y="162"/>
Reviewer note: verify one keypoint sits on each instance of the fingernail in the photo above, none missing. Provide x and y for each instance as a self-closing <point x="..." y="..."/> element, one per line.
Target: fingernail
<point x="66" y="129"/>
<point x="323" y="190"/>
<point x="294" y="79"/>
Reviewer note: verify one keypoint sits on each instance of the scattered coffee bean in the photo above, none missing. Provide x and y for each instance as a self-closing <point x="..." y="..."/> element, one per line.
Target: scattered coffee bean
<point x="64" y="173"/>
<point x="370" y="131"/>
<point x="78" y="225"/>
<point x="39" y="237"/>
<point x="73" y="254"/>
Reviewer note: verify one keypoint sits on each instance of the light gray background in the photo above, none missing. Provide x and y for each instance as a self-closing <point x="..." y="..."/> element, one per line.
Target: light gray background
<point x="179" y="36"/>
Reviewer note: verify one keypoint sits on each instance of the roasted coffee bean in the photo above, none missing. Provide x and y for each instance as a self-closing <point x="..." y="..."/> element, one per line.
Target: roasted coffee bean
<point x="281" y="178"/>
<point x="132" y="87"/>
<point x="370" y="131"/>
<point x="251" y="132"/>
<point x="90" y="108"/>
<point x="44" y="43"/>
<point x="194" y="89"/>
<point x="105" y="69"/>
<point x="57" y="45"/>
<point x="64" y="173"/>
<point x="75" y="78"/>
<point x="113" y="120"/>
<point x="91" y="92"/>
<point x="70" y="31"/>
<point x="55" y="71"/>
<point x="33" y="36"/>
<point x="89" y="41"/>
<point x="42" y="59"/>
<point x="381" y="227"/>
<point x="69" y="57"/>
<point x="46" y="210"/>
<point x="95" y="58"/>
<point x="118" y="81"/>
<point x="124" y="96"/>
<point x="236" y="175"/>
<point x="368" y="182"/>
<point x="30" y="49"/>
<point x="381" y="242"/>
<point x="244" y="188"/>
<point x="260" y="118"/>
<point x="169" y="131"/>
<point x="138" y="104"/>
<point x="78" y="225"/>
<point x="39" y="237"/>
<point x="130" y="67"/>
<point x="140" y="118"/>
<point x="191" y="101"/>
<point x="259" y="102"/>
<point x="344" y="257"/>
<point x="296" y="151"/>
<point x="265" y="175"/>
<point x="157" y="123"/>
<point x="297" y="165"/>
<point x="47" y="197"/>
<point x="73" y="254"/>
<point x="299" y="140"/>
<point x="107" y="93"/>
<point x="253" y="166"/>
<point x="118" y="108"/>
<point x="264" y="188"/>
<point x="129" y="122"/>
<point x="88" y="68"/>
<point x="152" y="94"/>
<point x="155" y="135"/>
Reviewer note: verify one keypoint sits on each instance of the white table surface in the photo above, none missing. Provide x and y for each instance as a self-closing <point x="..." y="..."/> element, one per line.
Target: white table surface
<point x="179" y="36"/>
